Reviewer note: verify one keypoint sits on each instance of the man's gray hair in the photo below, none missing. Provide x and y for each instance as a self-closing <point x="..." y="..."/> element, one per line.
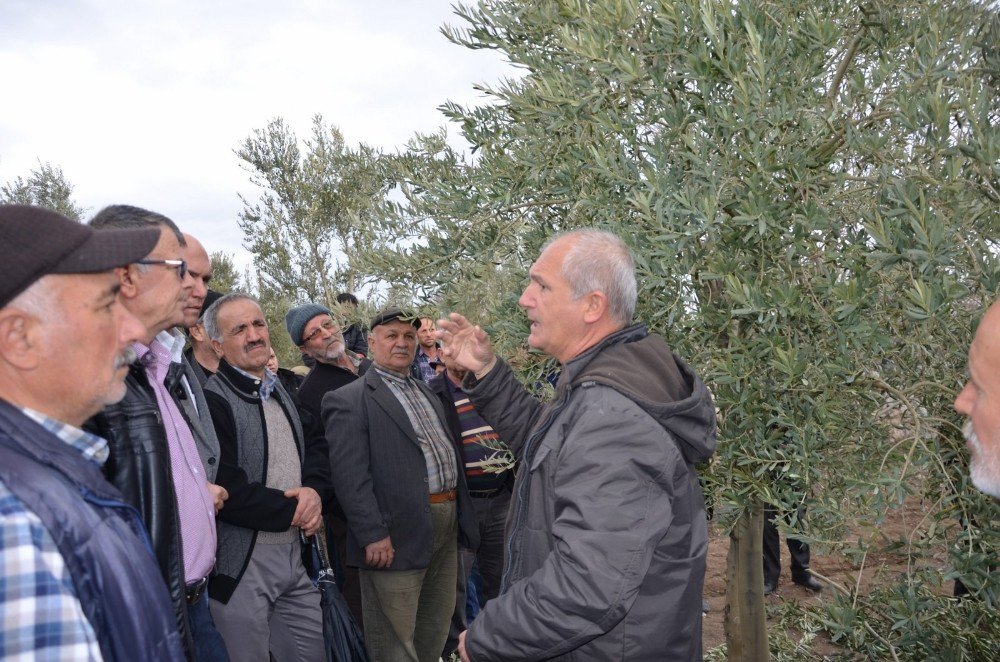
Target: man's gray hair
<point x="210" y="320"/>
<point x="127" y="216"/>
<point x="600" y="261"/>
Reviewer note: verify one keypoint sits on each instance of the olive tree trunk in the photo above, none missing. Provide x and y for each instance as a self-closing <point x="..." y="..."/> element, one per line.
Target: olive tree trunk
<point x="746" y="627"/>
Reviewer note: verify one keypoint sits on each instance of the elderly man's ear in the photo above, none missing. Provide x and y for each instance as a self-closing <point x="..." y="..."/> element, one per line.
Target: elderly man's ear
<point x="127" y="277"/>
<point x="597" y="306"/>
<point x="19" y="340"/>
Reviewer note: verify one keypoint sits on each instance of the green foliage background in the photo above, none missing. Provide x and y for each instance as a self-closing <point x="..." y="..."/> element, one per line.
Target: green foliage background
<point x="811" y="191"/>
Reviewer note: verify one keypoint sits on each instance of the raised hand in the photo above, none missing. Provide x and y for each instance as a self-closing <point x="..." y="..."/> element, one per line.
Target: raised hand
<point x="466" y="343"/>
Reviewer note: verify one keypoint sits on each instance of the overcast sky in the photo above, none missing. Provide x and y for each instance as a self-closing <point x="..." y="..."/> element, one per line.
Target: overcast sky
<point x="144" y="102"/>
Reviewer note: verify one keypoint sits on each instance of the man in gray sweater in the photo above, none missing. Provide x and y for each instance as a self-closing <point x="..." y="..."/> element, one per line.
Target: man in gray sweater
<point x="261" y="597"/>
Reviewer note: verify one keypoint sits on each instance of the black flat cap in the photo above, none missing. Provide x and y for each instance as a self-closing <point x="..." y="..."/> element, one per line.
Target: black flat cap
<point x="38" y="242"/>
<point x="390" y="314"/>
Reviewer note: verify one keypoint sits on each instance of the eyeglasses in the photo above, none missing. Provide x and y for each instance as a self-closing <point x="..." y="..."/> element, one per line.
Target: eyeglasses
<point x="182" y="265"/>
<point x="328" y="325"/>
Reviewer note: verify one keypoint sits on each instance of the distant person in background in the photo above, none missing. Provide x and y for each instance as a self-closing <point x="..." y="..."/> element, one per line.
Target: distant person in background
<point x="318" y="336"/>
<point x="355" y="335"/>
<point x="199" y="265"/>
<point x="427" y="351"/>
<point x="798" y="550"/>
<point x="288" y="379"/>
<point x="201" y="355"/>
<point x="979" y="401"/>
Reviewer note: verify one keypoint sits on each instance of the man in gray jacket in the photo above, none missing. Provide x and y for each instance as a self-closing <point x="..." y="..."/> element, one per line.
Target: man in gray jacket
<point x="607" y="535"/>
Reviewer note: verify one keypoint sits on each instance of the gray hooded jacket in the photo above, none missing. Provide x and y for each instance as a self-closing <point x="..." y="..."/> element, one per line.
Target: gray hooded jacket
<point x="607" y="535"/>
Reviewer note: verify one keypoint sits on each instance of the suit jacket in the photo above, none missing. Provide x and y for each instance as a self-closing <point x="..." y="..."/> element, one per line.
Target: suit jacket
<point x="380" y="475"/>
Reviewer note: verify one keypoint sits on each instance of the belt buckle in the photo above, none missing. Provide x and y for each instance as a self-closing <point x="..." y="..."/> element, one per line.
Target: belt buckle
<point x="193" y="591"/>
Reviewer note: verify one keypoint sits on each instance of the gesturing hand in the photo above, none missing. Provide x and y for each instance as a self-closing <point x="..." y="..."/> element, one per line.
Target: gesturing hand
<point x="467" y="344"/>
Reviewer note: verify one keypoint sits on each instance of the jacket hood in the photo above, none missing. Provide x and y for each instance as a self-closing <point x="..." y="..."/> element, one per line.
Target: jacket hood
<point x="641" y="367"/>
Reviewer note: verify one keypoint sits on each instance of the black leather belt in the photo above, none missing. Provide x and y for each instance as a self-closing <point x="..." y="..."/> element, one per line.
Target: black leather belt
<point x="486" y="494"/>
<point x="195" y="590"/>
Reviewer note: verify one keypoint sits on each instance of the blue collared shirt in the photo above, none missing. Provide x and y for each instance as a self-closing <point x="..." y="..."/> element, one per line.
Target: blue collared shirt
<point x="266" y="384"/>
<point x="40" y="615"/>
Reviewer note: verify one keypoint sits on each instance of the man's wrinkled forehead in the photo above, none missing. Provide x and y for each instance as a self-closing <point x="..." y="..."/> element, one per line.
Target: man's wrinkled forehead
<point x="318" y="320"/>
<point x="240" y="311"/>
<point x="397" y="326"/>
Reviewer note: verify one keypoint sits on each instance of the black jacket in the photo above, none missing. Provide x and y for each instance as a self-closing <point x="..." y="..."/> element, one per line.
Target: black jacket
<point x="356" y="339"/>
<point x="139" y="466"/>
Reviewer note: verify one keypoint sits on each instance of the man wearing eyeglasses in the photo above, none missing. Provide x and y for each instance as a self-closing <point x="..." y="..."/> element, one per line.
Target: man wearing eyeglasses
<point x="163" y="455"/>
<point x="313" y="329"/>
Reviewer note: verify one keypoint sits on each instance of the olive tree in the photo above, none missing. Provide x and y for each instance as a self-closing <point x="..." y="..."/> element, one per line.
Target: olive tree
<point x="315" y="197"/>
<point x="811" y="192"/>
<point x="45" y="187"/>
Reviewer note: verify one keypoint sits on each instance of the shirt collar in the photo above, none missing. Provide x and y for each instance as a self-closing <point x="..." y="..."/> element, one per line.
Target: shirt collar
<point x="391" y="374"/>
<point x="266" y="384"/>
<point x="91" y="446"/>
<point x="173" y="340"/>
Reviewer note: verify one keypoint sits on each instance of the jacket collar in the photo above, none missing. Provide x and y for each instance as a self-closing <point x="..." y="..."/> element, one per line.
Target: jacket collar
<point x="243" y="384"/>
<point x="44" y="446"/>
<point x="577" y="364"/>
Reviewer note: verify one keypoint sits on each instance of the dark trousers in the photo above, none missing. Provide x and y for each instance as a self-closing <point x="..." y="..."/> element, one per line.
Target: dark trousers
<point x="208" y="643"/>
<point x="491" y="515"/>
<point x="799" y="551"/>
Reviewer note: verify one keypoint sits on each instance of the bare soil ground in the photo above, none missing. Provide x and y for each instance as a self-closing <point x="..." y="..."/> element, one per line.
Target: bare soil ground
<point x="880" y="567"/>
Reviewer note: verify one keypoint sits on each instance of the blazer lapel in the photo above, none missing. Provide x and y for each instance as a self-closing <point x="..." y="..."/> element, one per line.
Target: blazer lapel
<point x="390" y="405"/>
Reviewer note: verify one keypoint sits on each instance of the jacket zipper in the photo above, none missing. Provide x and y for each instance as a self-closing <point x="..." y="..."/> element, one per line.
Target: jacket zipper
<point x="529" y="446"/>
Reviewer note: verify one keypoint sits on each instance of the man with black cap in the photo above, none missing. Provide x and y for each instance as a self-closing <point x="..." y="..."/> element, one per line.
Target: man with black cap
<point x="77" y="577"/>
<point x="402" y="487"/>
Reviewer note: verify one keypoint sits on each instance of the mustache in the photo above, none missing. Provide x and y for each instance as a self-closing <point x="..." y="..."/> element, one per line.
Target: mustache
<point x="970" y="435"/>
<point x="126" y="358"/>
<point x="253" y="345"/>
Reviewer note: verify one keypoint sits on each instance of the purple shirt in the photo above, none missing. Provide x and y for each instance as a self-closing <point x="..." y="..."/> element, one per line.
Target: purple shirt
<point x="195" y="507"/>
